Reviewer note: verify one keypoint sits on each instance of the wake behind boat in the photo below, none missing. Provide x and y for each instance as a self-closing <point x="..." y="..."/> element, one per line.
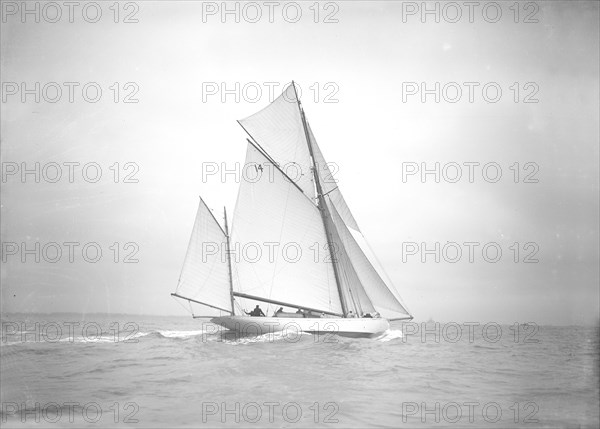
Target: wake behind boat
<point x="291" y="201"/>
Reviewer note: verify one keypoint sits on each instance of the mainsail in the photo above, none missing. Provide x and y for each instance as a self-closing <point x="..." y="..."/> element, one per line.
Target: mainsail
<point x="289" y="210"/>
<point x="275" y="226"/>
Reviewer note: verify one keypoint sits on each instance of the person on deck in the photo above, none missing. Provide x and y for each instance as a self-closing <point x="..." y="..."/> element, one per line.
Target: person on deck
<point x="257" y="312"/>
<point x="278" y="311"/>
<point x="301" y="312"/>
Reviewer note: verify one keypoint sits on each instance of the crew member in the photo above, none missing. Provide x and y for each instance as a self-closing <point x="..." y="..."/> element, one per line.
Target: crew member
<point x="257" y="312"/>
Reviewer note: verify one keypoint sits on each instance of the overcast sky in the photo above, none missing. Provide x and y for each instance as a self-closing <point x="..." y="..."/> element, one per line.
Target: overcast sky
<point x="369" y="57"/>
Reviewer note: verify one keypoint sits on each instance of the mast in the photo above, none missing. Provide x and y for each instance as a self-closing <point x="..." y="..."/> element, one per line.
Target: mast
<point x="322" y="207"/>
<point x="229" y="261"/>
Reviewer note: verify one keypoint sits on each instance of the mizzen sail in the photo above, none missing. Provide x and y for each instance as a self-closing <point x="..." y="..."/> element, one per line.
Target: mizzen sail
<point x="204" y="279"/>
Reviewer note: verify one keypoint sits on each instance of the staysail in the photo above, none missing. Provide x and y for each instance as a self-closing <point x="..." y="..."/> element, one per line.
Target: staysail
<point x="204" y="279"/>
<point x="381" y="295"/>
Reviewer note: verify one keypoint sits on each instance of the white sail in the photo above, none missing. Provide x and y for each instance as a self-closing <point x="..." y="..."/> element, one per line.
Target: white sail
<point x="329" y="184"/>
<point x="279" y="131"/>
<point x="355" y="296"/>
<point x="383" y="296"/>
<point x="273" y="213"/>
<point x="204" y="277"/>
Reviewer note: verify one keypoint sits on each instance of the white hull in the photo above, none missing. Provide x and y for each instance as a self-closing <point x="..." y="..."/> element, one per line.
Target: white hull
<point x="364" y="327"/>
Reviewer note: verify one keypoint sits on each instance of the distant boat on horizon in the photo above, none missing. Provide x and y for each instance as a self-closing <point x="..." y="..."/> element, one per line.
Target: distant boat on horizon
<point x="342" y="291"/>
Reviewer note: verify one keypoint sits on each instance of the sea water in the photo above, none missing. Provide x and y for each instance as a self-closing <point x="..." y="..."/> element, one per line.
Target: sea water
<point x="68" y="370"/>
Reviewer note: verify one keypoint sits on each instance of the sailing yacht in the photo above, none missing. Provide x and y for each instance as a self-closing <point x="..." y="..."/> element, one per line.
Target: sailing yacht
<point x="293" y="244"/>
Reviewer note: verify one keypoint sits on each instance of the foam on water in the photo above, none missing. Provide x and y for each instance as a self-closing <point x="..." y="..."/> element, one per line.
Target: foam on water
<point x="389" y="335"/>
<point x="181" y="334"/>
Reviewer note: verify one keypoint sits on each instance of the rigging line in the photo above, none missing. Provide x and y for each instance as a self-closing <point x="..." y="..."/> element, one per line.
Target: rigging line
<point x="264" y="152"/>
<point x="213" y="216"/>
<point x="328" y="192"/>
